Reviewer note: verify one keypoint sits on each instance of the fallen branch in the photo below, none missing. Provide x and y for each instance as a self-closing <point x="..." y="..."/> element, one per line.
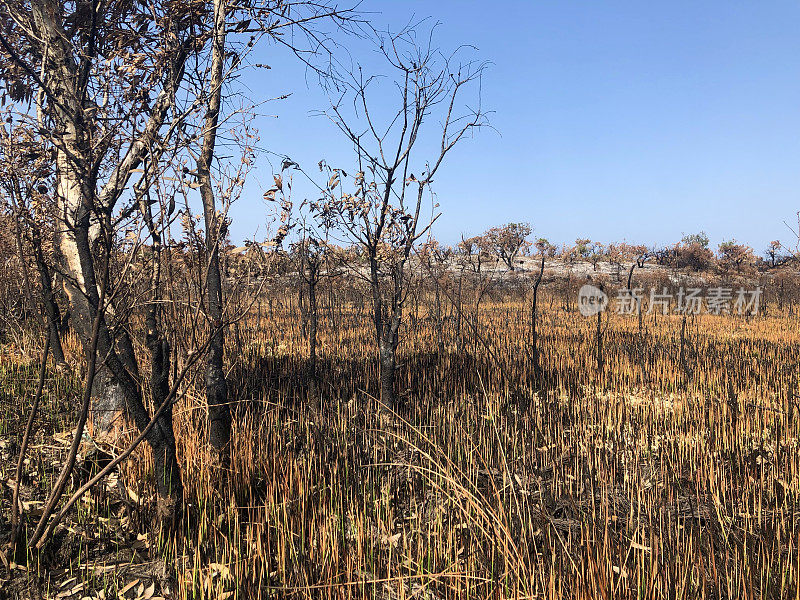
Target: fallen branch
<point x="15" y="505"/>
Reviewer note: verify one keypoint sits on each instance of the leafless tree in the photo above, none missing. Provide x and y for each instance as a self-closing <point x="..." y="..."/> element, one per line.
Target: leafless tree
<point x="474" y="255"/>
<point x="545" y="248"/>
<point x="773" y="253"/>
<point x="380" y="213"/>
<point x="295" y="25"/>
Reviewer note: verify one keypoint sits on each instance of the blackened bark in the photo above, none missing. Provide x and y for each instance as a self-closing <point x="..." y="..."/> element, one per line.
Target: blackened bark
<point x="383" y="333"/>
<point x="312" y="328"/>
<point x="301" y="302"/>
<point x="115" y="386"/>
<point x="534" y="319"/>
<point x="439" y="320"/>
<point x="52" y="312"/>
<point x="599" y="344"/>
<point x="388" y="366"/>
<point x="85" y="234"/>
<point x="216" y="386"/>
<point x="168" y="476"/>
<point x="63" y="327"/>
<point x="388" y="344"/>
<point x="217" y="390"/>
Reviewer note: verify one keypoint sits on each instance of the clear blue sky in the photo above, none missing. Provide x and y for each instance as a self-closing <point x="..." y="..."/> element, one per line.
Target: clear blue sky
<point x="634" y="121"/>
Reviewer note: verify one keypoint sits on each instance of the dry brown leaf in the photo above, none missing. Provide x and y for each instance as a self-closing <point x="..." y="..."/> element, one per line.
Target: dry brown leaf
<point x="149" y="591"/>
<point x="128" y="587"/>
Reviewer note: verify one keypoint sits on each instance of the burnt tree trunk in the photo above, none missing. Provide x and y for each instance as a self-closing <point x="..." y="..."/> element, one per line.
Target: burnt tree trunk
<point x="171" y="500"/>
<point x="439" y="320"/>
<point x="385" y="332"/>
<point x="216" y="386"/>
<point x="84" y="234"/>
<point x="388" y="366"/>
<point x="52" y="312"/>
<point x="537" y="369"/>
<point x="312" y="328"/>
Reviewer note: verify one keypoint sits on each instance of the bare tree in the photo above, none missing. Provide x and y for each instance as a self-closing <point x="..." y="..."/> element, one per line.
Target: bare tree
<point x="297" y="26"/>
<point x="474" y="254"/>
<point x="545" y="248"/>
<point x="313" y="256"/>
<point x="380" y="213"/>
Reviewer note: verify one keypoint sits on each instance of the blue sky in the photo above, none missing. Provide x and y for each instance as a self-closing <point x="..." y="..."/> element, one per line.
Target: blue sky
<point x="634" y="121"/>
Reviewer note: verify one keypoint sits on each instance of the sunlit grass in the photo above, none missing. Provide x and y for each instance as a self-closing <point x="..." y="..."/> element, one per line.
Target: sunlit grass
<point x="648" y="478"/>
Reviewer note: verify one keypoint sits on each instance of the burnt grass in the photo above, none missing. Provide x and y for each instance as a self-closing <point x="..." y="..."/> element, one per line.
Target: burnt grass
<point x="645" y="477"/>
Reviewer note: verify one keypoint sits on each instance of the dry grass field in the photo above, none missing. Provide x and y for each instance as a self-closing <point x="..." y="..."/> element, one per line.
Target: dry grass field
<point x="668" y="470"/>
<point x="314" y="299"/>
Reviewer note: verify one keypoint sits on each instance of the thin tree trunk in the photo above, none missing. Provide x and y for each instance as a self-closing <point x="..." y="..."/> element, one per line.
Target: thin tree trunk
<point x="69" y="462"/>
<point x="599" y="344"/>
<point x="312" y="328"/>
<point x="52" y="312"/>
<point x="439" y="323"/>
<point x="169" y="484"/>
<point x="26" y="283"/>
<point x="534" y="319"/>
<point x="216" y="385"/>
<point x="388" y="367"/>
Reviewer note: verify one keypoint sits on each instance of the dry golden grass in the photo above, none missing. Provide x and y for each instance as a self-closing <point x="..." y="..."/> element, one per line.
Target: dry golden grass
<point x="647" y="479"/>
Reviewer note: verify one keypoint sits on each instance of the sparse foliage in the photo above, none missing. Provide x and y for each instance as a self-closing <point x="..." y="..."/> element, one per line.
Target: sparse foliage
<point x="508" y="241"/>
